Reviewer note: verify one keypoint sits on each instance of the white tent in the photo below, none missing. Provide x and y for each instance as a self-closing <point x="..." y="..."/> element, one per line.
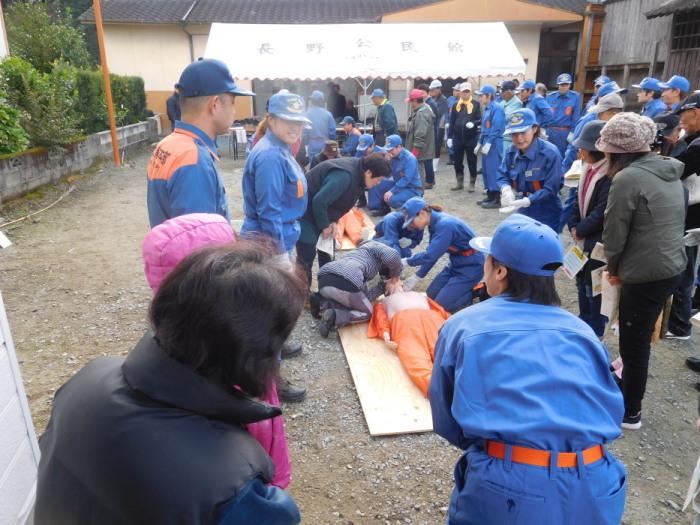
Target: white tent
<point x="317" y="51"/>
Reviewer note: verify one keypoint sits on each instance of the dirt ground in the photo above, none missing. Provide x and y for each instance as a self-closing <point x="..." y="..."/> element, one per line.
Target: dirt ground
<point x="74" y="289"/>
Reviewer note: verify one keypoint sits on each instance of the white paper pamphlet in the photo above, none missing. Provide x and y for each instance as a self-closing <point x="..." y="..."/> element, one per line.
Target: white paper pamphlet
<point x="574" y="260"/>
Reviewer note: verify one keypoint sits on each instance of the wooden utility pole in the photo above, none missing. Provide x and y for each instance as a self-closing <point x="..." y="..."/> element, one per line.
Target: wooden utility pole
<point x="108" y="86"/>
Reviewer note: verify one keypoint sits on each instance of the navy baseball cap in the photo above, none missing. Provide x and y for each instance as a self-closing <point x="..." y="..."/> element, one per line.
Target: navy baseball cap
<point x="411" y="208"/>
<point x="523" y="244"/>
<point x="378" y="93"/>
<point x="208" y="77"/>
<point x="528" y="84"/>
<point x="520" y="120"/>
<point x="508" y="85"/>
<point x="692" y="102"/>
<point x="288" y="106"/>
<point x="649" y="83"/>
<point x="366" y="142"/>
<point x="564" y="78"/>
<point x="347" y="120"/>
<point x="677" y="82"/>
<point x="392" y="141"/>
<point x="601" y="80"/>
<point x="610" y="87"/>
<point x="486" y="90"/>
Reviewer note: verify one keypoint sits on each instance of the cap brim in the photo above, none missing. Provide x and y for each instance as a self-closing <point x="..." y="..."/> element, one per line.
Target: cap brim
<point x="242" y="92"/>
<point x="408" y="222"/>
<point x="637" y="86"/>
<point x="292" y="117"/>
<point x="516" y="129"/>
<point x="481" y="244"/>
<point x="360" y="148"/>
<point x="584" y="144"/>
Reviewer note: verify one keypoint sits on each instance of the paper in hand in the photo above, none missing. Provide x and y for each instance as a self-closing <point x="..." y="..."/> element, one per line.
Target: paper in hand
<point x="574" y="260"/>
<point x="326" y="245"/>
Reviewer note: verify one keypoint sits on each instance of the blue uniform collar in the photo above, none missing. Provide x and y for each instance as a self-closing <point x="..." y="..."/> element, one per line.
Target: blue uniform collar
<point x="276" y="141"/>
<point x="435" y="218"/>
<point x="198" y="132"/>
<point x="532" y="151"/>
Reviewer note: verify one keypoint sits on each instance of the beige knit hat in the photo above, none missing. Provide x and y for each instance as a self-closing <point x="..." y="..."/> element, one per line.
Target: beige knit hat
<point x="627" y="133"/>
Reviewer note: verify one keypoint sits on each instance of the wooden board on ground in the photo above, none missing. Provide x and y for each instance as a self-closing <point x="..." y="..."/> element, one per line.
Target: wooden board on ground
<point x="347" y="244"/>
<point x="392" y="404"/>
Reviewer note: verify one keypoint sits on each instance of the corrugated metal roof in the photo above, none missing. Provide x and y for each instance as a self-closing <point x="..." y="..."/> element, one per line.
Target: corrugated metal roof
<point x="670" y="7"/>
<point x="250" y="11"/>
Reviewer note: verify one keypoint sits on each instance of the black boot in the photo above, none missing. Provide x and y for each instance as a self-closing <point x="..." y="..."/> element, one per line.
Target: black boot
<point x="493" y="202"/>
<point x="472" y="184"/>
<point x="288" y="393"/>
<point x="288" y="351"/>
<point x="327" y="323"/>
<point x="460" y="183"/>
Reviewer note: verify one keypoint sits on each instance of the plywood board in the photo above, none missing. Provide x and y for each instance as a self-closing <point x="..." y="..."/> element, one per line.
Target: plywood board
<point x="347" y="244"/>
<point x="392" y="404"/>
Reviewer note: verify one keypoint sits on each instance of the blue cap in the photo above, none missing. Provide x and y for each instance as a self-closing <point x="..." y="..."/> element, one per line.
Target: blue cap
<point x="486" y="90"/>
<point x="523" y="244"/>
<point x="610" y="87"/>
<point x="208" y="77"/>
<point x="366" y="142"/>
<point x="520" y="120"/>
<point x="649" y="83"/>
<point x="347" y="120"/>
<point x="677" y="82"/>
<point x="564" y="78"/>
<point x="288" y="106"/>
<point x="392" y="141"/>
<point x="411" y="208"/>
<point x="528" y="84"/>
<point x="378" y="93"/>
<point x="317" y="96"/>
<point x="601" y="80"/>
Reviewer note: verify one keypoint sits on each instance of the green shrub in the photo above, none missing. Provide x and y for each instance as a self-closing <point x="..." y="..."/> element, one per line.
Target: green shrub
<point x="12" y="137"/>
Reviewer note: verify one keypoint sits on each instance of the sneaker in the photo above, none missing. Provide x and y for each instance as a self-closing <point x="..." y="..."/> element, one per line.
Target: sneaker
<point x="632" y="422"/>
<point x="671" y="335"/>
<point x="288" y="351"/>
<point x="289" y="393"/>
<point x="327" y="322"/>
<point x="315" y="305"/>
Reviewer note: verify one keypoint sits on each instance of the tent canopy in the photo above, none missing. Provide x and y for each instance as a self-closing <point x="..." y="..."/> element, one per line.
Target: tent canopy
<point x="317" y="51"/>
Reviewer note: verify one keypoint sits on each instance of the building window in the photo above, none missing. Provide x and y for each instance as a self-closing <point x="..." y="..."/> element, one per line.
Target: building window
<point x="686" y="31"/>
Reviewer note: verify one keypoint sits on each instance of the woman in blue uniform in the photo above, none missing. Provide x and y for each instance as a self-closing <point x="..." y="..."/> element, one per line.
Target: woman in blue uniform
<point x="274" y="185"/>
<point x="452" y="287"/>
<point x="532" y="168"/>
<point x="493" y="124"/>
<point x="391" y="232"/>
<point x="523" y="388"/>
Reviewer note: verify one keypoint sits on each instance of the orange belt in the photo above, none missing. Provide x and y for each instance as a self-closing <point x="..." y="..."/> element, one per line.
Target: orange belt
<point x="465" y="253"/>
<point x="560" y="128"/>
<point x="541" y="458"/>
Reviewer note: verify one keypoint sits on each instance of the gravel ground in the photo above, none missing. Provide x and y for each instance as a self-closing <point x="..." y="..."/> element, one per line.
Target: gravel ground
<point x="74" y="289"/>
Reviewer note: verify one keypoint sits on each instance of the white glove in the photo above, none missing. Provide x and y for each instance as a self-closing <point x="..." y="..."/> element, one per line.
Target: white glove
<point x="507" y="196"/>
<point x="470" y="125"/>
<point x="404" y="242"/>
<point x="486" y="148"/>
<point x="410" y="283"/>
<point x="404" y="261"/>
<point x="476" y="150"/>
<point x="521" y="203"/>
<point x="449" y="143"/>
<point x="570" y="137"/>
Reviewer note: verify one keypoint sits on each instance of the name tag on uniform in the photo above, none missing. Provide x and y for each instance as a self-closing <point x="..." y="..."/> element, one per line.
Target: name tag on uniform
<point x="528" y="174"/>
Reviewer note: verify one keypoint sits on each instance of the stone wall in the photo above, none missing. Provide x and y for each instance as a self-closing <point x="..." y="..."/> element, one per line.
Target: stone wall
<point x="23" y="173"/>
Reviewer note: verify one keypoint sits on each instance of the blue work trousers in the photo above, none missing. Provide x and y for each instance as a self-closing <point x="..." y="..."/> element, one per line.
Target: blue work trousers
<point x="558" y="137"/>
<point x="492" y="491"/>
<point x="375" y="196"/>
<point x="400" y="197"/>
<point x="681" y="309"/>
<point x="547" y="211"/>
<point x="452" y="287"/>
<point x="489" y="166"/>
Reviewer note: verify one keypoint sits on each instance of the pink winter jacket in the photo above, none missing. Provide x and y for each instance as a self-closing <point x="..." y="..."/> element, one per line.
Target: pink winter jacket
<point x="163" y="248"/>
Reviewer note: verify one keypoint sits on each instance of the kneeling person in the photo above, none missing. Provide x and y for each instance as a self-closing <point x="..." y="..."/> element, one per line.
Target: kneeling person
<point x="523" y="387"/>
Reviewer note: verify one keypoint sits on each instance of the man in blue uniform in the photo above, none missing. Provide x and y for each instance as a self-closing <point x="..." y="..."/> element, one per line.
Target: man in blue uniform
<point x="322" y="125"/>
<point x="385" y="123"/>
<point x="524" y="388"/>
<point x="674" y="90"/>
<point x="566" y="110"/>
<point x="650" y="95"/>
<point x="352" y="137"/>
<point x="405" y="174"/>
<point x="391" y="232"/>
<point x="536" y="102"/>
<point x="597" y="84"/>
<point x="531" y="168"/>
<point x="182" y="175"/>
<point x="493" y="124"/>
<point x="366" y="146"/>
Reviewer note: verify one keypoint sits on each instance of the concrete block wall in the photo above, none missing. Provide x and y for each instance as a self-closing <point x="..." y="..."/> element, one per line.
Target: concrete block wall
<point x="23" y="173"/>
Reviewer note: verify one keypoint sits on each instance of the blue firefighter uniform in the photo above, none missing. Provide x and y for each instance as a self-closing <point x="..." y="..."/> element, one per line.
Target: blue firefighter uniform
<point x="349" y="149"/>
<point x="391" y="232"/>
<point x="495" y="379"/>
<point x="536" y="173"/>
<point x="452" y="287"/>
<point x="274" y="185"/>
<point x="654" y="108"/>
<point x="407" y="183"/>
<point x="493" y="124"/>
<point x="542" y="110"/>
<point x="566" y="110"/>
<point x="322" y="129"/>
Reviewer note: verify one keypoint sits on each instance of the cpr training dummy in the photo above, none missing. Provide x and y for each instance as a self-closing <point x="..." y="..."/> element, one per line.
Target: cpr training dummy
<point x="409" y="323"/>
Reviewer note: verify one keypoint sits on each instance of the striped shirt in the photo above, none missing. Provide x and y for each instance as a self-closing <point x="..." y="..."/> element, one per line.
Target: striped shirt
<point x="364" y="263"/>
